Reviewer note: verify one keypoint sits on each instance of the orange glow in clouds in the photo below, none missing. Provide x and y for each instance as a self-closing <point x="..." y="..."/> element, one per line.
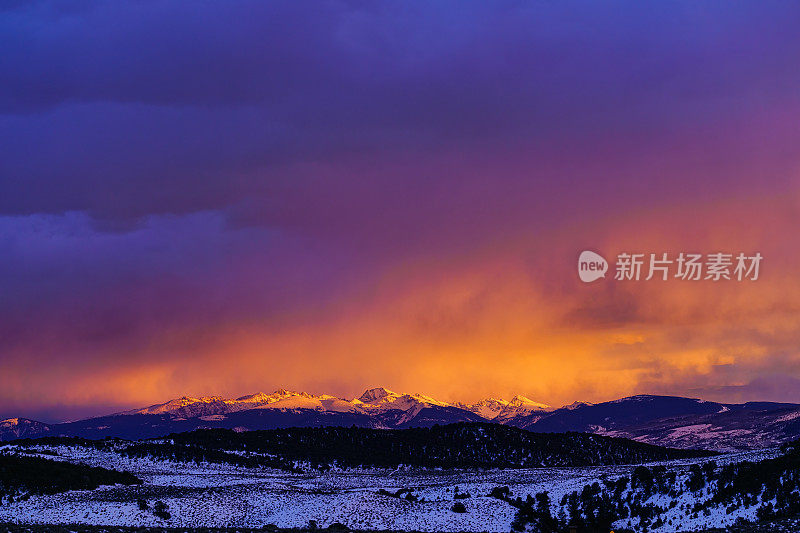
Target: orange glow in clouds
<point x="510" y="319"/>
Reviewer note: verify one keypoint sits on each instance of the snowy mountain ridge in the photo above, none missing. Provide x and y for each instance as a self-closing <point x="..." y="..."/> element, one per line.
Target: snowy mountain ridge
<point x="669" y="421"/>
<point x="372" y="401"/>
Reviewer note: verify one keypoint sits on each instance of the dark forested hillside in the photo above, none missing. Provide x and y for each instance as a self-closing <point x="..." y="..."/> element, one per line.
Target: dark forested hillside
<point x="653" y="497"/>
<point x="198" y="454"/>
<point x="464" y="445"/>
<point x="21" y="475"/>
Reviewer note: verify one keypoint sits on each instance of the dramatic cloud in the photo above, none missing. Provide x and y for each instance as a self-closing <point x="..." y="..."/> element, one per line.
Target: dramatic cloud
<point x="247" y="195"/>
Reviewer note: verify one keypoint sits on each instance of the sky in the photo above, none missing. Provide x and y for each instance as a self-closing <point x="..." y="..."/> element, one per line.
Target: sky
<point x="220" y="198"/>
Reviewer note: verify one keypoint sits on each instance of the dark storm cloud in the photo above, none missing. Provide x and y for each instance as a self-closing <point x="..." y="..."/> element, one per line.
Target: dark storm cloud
<point x="71" y="291"/>
<point x="123" y="109"/>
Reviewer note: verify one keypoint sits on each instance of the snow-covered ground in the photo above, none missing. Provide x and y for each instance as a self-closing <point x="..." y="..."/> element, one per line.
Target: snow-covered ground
<point x="219" y="495"/>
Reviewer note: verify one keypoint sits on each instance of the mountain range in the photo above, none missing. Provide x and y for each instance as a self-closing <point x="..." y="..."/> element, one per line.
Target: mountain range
<point x="663" y="420"/>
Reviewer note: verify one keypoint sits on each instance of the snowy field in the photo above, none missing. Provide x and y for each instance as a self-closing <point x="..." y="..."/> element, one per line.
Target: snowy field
<point x="212" y="495"/>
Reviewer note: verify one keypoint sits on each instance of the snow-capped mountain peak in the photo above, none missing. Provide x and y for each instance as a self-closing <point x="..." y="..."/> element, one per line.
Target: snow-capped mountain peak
<point x="488" y="408"/>
<point x="662" y="420"/>
<point x="378" y="395"/>
<point x="520" y="406"/>
<point x="380" y="399"/>
<point x="520" y="401"/>
<point x="259" y="398"/>
<point x="498" y="409"/>
<point x="178" y="404"/>
<point x="373" y="401"/>
<point x="427" y="400"/>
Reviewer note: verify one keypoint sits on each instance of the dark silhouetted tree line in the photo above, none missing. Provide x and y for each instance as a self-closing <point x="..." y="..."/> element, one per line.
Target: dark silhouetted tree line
<point x="21" y="475"/>
<point x="464" y="445"/>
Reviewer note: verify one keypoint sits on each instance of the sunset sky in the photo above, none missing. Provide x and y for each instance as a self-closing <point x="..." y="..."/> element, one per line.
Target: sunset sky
<point x="230" y="197"/>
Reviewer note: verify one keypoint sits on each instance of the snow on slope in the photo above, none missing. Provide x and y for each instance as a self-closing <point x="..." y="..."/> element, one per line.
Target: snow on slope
<point x="213" y="495"/>
<point x="662" y="420"/>
<point x="22" y="427"/>
<point x="380" y="399"/>
<point x="376" y="400"/>
<point x="521" y="406"/>
<point x="488" y="408"/>
<point x="174" y="406"/>
<point x="495" y="409"/>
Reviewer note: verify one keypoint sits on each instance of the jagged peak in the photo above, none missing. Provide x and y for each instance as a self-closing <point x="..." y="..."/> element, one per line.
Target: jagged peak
<point x="494" y="400"/>
<point x="377" y="394"/>
<point x="282" y="393"/>
<point x="485" y="402"/>
<point x="424" y="398"/>
<point x="258" y="396"/>
<point x="523" y="401"/>
<point x="191" y="399"/>
<point x="372" y="400"/>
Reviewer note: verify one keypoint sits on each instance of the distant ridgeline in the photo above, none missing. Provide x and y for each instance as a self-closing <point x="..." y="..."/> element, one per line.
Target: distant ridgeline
<point x="668" y="421"/>
<point x="464" y="445"/>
